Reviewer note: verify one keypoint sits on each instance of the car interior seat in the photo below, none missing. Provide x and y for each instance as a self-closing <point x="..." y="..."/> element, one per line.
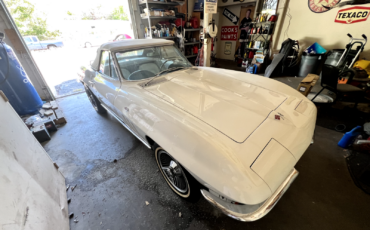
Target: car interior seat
<point x="152" y="67"/>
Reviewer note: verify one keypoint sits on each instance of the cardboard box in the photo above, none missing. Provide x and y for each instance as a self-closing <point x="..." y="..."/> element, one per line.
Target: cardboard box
<point x="307" y="83"/>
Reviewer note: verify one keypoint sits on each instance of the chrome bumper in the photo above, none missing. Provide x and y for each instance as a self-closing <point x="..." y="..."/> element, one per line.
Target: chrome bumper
<point x="256" y="211"/>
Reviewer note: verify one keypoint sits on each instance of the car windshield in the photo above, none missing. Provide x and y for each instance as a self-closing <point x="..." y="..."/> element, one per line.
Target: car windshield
<point x="146" y="63"/>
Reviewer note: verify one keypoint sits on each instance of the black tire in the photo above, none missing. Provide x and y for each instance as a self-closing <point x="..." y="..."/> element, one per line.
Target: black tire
<point x="95" y="102"/>
<point x="52" y="47"/>
<point x="182" y="182"/>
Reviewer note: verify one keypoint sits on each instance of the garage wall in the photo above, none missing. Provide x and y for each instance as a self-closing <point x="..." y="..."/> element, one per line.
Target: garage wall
<point x="33" y="192"/>
<point x="308" y="27"/>
<point x="12" y="38"/>
<point x="223" y="21"/>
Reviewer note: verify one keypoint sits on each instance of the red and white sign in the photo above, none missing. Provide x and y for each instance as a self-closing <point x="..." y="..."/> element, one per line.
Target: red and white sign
<point x="353" y="15"/>
<point x="229" y="33"/>
<point x="321" y="6"/>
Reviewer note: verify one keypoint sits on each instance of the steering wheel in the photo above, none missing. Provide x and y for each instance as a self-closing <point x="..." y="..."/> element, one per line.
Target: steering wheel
<point x="144" y="74"/>
<point x="175" y="65"/>
<point x="170" y="59"/>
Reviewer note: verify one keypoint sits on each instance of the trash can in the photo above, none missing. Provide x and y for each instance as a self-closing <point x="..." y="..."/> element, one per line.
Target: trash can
<point x="309" y="64"/>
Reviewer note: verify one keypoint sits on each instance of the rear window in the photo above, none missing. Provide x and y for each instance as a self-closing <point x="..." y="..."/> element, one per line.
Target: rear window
<point x="135" y="53"/>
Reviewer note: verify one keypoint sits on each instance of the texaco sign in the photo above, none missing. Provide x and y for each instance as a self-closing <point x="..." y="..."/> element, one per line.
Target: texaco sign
<point x="321" y="6"/>
<point x="352" y="15"/>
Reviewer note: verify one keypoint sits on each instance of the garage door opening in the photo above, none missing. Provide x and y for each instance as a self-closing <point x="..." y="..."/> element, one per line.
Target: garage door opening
<point x="64" y="40"/>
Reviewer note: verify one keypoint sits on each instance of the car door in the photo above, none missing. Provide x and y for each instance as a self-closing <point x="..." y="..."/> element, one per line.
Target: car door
<point x="106" y="82"/>
<point x="36" y="43"/>
<point x="30" y="43"/>
<point x="128" y="97"/>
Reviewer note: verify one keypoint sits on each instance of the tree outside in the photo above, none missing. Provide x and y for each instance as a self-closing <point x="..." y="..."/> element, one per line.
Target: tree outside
<point x="28" y="22"/>
<point x="95" y="14"/>
<point x="118" y="14"/>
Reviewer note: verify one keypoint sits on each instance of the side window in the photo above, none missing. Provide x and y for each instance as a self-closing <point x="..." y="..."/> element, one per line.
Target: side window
<point x="104" y="63"/>
<point x="112" y="70"/>
<point x="34" y="39"/>
<point x="28" y="40"/>
<point x="107" y="65"/>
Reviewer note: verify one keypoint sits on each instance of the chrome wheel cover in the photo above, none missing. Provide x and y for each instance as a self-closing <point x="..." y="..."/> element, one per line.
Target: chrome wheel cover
<point x="173" y="172"/>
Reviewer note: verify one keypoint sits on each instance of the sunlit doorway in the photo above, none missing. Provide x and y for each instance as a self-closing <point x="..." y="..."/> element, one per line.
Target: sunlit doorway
<point x="63" y="36"/>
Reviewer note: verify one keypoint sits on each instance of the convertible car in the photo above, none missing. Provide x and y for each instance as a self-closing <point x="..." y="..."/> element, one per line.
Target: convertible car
<point x="231" y="137"/>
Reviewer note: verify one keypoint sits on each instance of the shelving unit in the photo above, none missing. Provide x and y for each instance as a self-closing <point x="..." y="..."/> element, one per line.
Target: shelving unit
<point x="159" y="4"/>
<point x="254" y="37"/>
<point x="197" y="30"/>
<point x="160" y="37"/>
<point x="262" y="22"/>
<point x="188" y="30"/>
<point x="158" y="17"/>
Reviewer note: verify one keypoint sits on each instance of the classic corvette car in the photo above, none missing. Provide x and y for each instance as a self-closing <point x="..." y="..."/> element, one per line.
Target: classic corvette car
<point x="230" y="136"/>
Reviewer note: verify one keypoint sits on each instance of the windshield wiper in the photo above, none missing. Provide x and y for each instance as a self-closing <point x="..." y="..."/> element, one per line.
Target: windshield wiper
<point x="164" y="71"/>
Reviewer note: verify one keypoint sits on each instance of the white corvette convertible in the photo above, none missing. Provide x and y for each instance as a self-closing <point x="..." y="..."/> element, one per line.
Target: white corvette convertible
<point x="230" y="136"/>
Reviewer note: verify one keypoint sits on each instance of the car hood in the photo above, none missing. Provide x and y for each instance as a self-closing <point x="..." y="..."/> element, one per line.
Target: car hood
<point x="234" y="103"/>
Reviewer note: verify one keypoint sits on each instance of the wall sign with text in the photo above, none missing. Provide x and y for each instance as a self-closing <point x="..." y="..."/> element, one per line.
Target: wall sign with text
<point x="210" y="7"/>
<point x="352" y="15"/>
<point x="227" y="49"/>
<point x="322" y="6"/>
<point x="229" y="33"/>
<point x="231" y="16"/>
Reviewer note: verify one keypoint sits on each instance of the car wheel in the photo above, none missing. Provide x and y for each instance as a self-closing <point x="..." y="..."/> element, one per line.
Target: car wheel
<point x="95" y="102"/>
<point x="51" y="47"/>
<point x="177" y="178"/>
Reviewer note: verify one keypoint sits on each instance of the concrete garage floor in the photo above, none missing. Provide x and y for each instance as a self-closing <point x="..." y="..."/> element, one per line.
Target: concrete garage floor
<point x="112" y="195"/>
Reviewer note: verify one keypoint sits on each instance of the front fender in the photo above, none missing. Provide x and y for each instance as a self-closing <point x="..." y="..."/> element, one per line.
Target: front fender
<point x="207" y="154"/>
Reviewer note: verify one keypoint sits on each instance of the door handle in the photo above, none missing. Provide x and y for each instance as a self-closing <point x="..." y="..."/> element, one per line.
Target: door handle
<point x="91" y="82"/>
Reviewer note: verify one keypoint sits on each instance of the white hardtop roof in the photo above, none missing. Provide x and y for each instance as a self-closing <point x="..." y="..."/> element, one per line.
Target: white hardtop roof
<point x="129" y="44"/>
